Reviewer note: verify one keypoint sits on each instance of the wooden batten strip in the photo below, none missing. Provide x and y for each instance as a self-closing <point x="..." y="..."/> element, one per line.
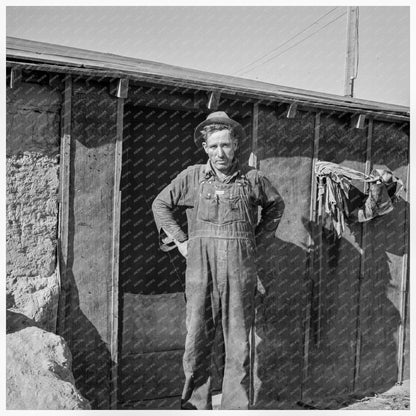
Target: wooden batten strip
<point x="253" y="160"/>
<point x="311" y="254"/>
<point x="363" y="244"/>
<point x="292" y="110"/>
<point x="213" y="100"/>
<point x="368" y="152"/>
<point x="119" y="87"/>
<point x="359" y="121"/>
<point x="320" y="267"/>
<point x="403" y="289"/>
<point x="15" y="77"/>
<point x="114" y="313"/>
<point x="64" y="204"/>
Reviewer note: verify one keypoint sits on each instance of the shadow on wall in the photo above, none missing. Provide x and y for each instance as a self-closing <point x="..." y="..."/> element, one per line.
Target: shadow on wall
<point x="295" y="301"/>
<point x="92" y="140"/>
<point x="298" y="298"/>
<point x="91" y="358"/>
<point x="15" y="321"/>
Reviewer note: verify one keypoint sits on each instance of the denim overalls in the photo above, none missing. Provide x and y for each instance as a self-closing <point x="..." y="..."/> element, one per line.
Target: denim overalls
<point x="220" y="282"/>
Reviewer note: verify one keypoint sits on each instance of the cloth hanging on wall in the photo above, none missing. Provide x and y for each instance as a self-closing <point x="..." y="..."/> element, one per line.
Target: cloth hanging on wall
<point x="334" y="185"/>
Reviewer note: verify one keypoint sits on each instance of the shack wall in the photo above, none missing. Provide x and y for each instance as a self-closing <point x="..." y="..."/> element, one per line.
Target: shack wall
<point x="386" y="249"/>
<point x="336" y="274"/>
<point x="330" y="319"/>
<point x="86" y="302"/>
<point x="285" y="155"/>
<point x="32" y="178"/>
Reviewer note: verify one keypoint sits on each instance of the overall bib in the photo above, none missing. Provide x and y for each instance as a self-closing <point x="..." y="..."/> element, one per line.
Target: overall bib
<point x="220" y="283"/>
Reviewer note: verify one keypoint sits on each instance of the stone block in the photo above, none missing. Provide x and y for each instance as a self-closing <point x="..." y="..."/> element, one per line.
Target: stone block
<point x="39" y="375"/>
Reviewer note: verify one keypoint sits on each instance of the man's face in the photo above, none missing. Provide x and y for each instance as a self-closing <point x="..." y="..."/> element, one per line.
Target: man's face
<point x="220" y="148"/>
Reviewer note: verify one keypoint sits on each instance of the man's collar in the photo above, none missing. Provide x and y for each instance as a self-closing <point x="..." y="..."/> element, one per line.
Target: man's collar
<point x="210" y="171"/>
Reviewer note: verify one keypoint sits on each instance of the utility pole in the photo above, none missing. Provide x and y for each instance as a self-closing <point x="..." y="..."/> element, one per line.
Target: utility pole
<point x="351" y="60"/>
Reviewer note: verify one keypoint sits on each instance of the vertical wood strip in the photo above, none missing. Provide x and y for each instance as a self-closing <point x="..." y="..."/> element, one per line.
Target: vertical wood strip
<point x="368" y="153"/>
<point x="253" y="161"/>
<point x="318" y="335"/>
<point x="114" y="321"/>
<point x="15" y="77"/>
<point x="363" y="244"/>
<point x="64" y="204"/>
<point x="311" y="256"/>
<point x="403" y="288"/>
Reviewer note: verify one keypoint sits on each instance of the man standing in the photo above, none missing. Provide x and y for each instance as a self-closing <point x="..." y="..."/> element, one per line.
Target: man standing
<point x="222" y="202"/>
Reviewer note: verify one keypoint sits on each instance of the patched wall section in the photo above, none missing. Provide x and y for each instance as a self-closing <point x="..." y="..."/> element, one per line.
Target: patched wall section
<point x="33" y="123"/>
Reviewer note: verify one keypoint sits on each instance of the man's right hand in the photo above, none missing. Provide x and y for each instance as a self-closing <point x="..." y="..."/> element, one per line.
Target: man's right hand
<point x="182" y="247"/>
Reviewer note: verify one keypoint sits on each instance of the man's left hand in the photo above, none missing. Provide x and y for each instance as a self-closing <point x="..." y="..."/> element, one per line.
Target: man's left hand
<point x="182" y="247"/>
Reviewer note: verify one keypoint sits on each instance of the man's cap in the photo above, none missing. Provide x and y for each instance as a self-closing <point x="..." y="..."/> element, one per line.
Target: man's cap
<point x="217" y="117"/>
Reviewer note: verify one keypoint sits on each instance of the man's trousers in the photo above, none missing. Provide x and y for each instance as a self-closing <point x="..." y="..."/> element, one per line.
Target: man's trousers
<point x="220" y="284"/>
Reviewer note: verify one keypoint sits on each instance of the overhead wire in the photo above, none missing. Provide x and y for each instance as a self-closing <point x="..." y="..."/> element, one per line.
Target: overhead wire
<point x="292" y="46"/>
<point x="287" y="41"/>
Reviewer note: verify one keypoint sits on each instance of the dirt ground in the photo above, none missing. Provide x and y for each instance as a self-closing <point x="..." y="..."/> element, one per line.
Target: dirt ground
<point x="394" y="398"/>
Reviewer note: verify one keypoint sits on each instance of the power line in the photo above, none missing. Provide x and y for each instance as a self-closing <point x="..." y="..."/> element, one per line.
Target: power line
<point x="291" y="47"/>
<point x="287" y="41"/>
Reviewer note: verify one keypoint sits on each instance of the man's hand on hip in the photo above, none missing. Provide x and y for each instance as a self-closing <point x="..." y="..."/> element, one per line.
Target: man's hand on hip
<point x="182" y="247"/>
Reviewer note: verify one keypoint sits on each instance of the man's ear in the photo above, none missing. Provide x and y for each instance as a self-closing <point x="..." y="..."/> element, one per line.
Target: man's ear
<point x="204" y="145"/>
<point x="235" y="144"/>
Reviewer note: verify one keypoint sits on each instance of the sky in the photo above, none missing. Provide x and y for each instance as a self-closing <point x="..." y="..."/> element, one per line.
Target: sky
<point x="301" y="47"/>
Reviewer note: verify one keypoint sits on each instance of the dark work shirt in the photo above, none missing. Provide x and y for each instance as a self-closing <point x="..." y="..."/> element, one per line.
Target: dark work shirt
<point x="183" y="191"/>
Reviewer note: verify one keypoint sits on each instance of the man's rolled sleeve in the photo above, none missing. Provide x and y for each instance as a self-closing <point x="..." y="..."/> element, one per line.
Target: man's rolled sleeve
<point x="272" y="206"/>
<point x="177" y="193"/>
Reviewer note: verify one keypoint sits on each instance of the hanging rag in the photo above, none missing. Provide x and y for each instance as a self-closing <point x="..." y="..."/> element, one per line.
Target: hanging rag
<point x="334" y="185"/>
